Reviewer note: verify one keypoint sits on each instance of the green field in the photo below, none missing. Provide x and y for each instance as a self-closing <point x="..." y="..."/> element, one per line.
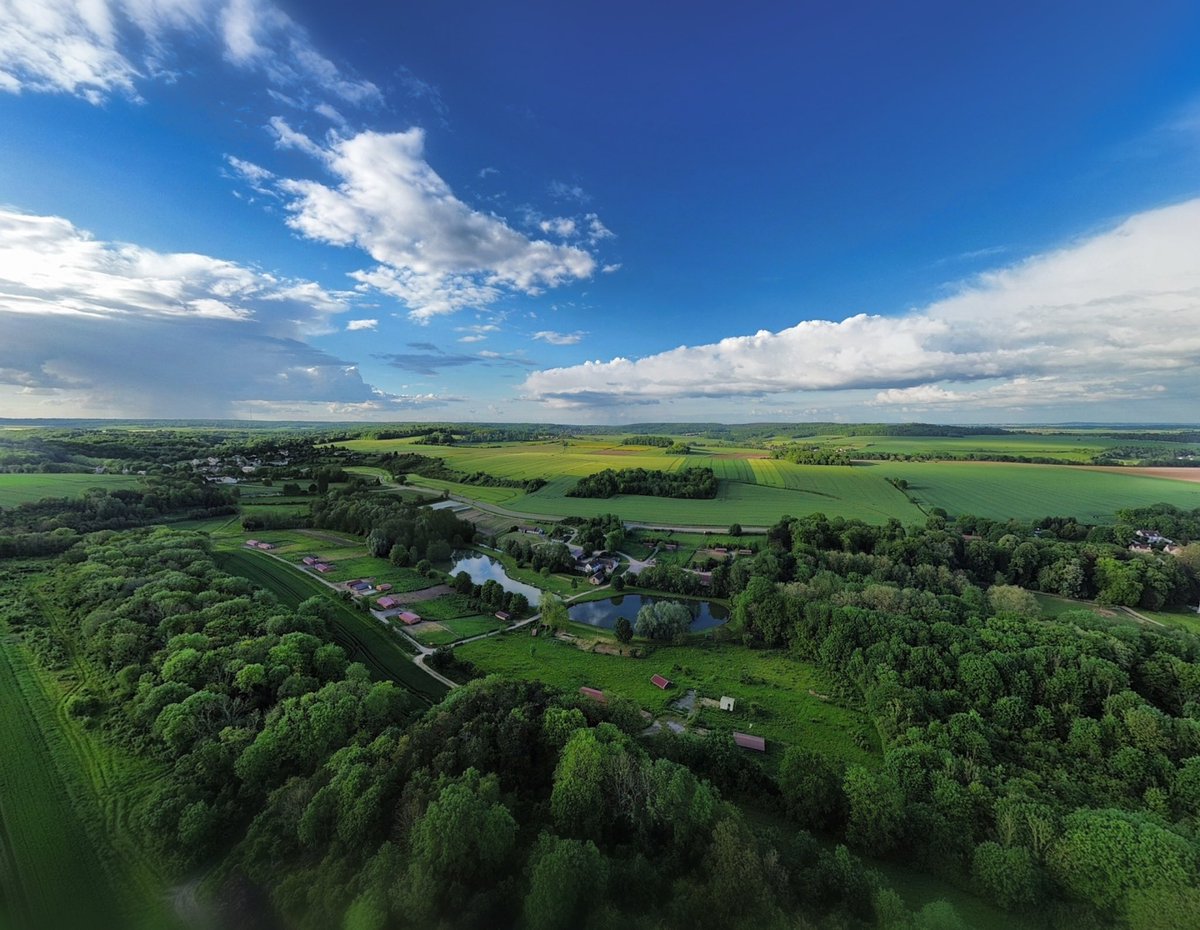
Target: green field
<point x="363" y="637"/>
<point x="1000" y="490"/>
<point x="21" y="489"/>
<point x="757" y="491"/>
<point x="780" y="686"/>
<point x="451" y="631"/>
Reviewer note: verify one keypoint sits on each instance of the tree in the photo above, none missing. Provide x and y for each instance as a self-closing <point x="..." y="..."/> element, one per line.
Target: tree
<point x="1005" y="874"/>
<point x="876" y="810"/>
<point x="618" y="582"/>
<point x="1011" y="599"/>
<point x="663" y="620"/>
<point x="568" y="878"/>
<point x="553" y="612"/>
<point x="463" y="838"/>
<point x="623" y="630"/>
<point x="811" y="786"/>
<point x="735" y="529"/>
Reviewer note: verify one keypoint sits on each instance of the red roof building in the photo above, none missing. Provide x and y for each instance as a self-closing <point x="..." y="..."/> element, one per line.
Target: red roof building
<point x="309" y="560"/>
<point x="409" y="618"/>
<point x="594" y="693"/>
<point x="383" y="587"/>
<point x="386" y="603"/>
<point x="659" y="682"/>
<point x="746" y="741"/>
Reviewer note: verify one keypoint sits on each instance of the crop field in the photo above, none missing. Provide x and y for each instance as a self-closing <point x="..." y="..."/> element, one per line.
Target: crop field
<point x="785" y="691"/>
<point x="1001" y="490"/>
<point x="451" y="631"/>
<point x="21" y="489"/>
<point x="757" y="491"/>
<point x="364" y="638"/>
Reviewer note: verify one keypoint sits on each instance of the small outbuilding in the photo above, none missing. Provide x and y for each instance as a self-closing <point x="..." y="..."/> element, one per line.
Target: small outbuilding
<point x="408" y="618"/>
<point x="726" y="702"/>
<point x="386" y="603"/>
<point x="383" y="587"/>
<point x="503" y="615"/>
<point x="659" y="682"/>
<point x="594" y="693"/>
<point x="746" y="741"/>
<point x="309" y="560"/>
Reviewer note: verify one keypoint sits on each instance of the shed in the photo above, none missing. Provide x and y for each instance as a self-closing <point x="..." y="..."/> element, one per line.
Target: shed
<point x="659" y="682"/>
<point x="383" y="587"/>
<point x="409" y="618"/>
<point x="503" y="615"/>
<point x="309" y="560"/>
<point x="386" y="603"/>
<point x="746" y="741"/>
<point x="251" y="542"/>
<point x="323" y="567"/>
<point x="726" y="702"/>
<point x="263" y="545"/>
<point x="594" y="693"/>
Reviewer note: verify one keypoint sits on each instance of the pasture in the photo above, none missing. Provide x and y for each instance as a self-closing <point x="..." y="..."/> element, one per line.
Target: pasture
<point x="363" y="637"/>
<point x="22" y="489"/>
<point x="777" y="697"/>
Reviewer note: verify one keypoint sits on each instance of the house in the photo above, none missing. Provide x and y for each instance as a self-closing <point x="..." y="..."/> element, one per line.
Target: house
<point x="726" y="702"/>
<point x="746" y="741"/>
<point x="408" y="618"/>
<point x="383" y="587"/>
<point x="659" y="682"/>
<point x="309" y="560"/>
<point x="323" y="567"/>
<point x="597" y="578"/>
<point x="594" y="693"/>
<point x="360" y="587"/>
<point x="503" y="615"/>
<point x="386" y="603"/>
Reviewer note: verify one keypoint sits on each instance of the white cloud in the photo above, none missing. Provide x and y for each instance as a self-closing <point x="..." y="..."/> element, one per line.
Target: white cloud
<point x="435" y="253"/>
<point x="559" y="226"/>
<point x="478" y="332"/>
<point x="487" y="172"/>
<point x="597" y="231"/>
<point x="354" y="326"/>
<point x="97" y="48"/>
<point x="611" y="269"/>
<point x="559" y="339"/>
<point x="114" y="328"/>
<point x="1100" y="318"/>
<point x="561" y="190"/>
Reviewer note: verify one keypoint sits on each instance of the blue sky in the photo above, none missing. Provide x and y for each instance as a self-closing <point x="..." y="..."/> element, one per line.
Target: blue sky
<point x="599" y="212"/>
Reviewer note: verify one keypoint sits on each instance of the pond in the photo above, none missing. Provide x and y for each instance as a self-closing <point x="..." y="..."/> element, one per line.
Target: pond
<point x="705" y="614"/>
<point x="483" y="568"/>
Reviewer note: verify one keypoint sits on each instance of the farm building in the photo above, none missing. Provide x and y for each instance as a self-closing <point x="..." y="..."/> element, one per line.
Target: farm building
<point x="265" y="546"/>
<point x="383" y="587"/>
<point x="503" y="615"/>
<point x="659" y="682"/>
<point x="726" y="702"/>
<point x="386" y="603"/>
<point x="309" y="560"/>
<point x="746" y="741"/>
<point x="408" y="618"/>
<point x="594" y="693"/>
<point x="252" y="542"/>
<point x="323" y="567"/>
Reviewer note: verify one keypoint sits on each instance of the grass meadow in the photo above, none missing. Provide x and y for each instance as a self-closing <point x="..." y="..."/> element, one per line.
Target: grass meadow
<point x="21" y="489"/>
<point x="777" y="697"/>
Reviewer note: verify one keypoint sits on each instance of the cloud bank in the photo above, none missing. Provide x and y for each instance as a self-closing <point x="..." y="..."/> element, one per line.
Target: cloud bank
<point x="1114" y="316"/>
<point x="114" y="328"/>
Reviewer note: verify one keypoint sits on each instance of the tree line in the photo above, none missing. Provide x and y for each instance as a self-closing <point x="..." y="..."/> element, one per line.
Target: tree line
<point x="690" y="483"/>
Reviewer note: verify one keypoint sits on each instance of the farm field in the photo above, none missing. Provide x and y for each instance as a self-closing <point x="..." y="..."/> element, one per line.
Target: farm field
<point x="21" y="489"/>
<point x="365" y="640"/>
<point x="62" y="857"/>
<point x="778" y="685"/>
<point x="1001" y="490"/>
<point x="444" y="632"/>
<point x="757" y="491"/>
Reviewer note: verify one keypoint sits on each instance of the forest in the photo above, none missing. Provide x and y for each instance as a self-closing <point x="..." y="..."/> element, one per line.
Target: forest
<point x="688" y="483"/>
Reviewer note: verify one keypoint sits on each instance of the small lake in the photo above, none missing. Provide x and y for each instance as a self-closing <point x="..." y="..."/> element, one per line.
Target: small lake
<point x="705" y="614"/>
<point x="483" y="568"/>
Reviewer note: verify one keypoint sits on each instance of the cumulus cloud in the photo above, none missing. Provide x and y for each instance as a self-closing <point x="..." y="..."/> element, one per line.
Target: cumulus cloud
<point x="436" y="254"/>
<point x="559" y="226"/>
<point x="95" y="49"/>
<point x="559" y="339"/>
<point x="561" y="190"/>
<point x="1113" y="315"/>
<point x="356" y="325"/>
<point x="109" y="327"/>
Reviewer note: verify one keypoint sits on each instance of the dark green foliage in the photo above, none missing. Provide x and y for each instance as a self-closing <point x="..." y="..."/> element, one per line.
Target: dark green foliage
<point x="689" y="483"/>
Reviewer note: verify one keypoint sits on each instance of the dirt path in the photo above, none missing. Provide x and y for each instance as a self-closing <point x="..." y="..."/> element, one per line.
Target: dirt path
<point x="1142" y="618"/>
